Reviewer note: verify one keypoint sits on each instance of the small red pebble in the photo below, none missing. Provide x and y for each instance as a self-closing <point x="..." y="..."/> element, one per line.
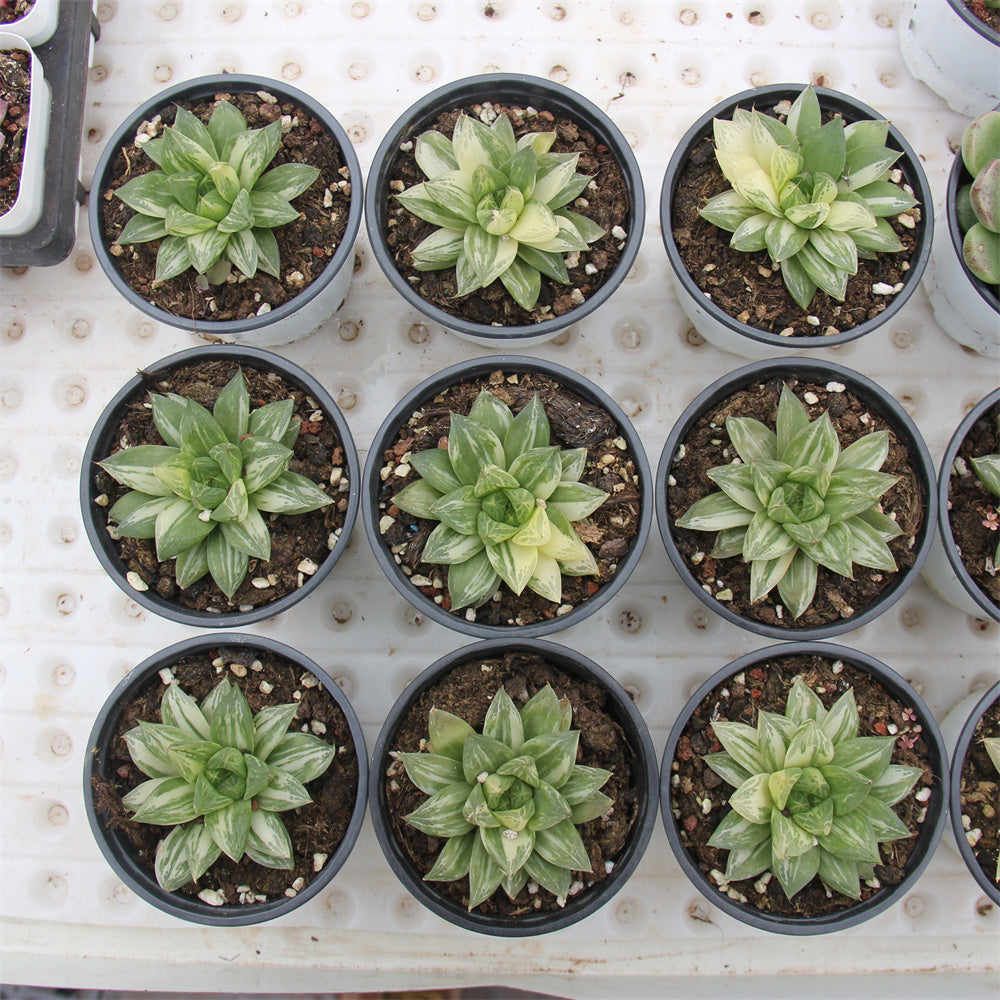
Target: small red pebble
<point x="317" y="251"/>
<point x="756" y="693"/>
<point x="592" y="587"/>
<point x="757" y="674"/>
<point x="690" y="823"/>
<point x="446" y="602"/>
<point x="879" y="728"/>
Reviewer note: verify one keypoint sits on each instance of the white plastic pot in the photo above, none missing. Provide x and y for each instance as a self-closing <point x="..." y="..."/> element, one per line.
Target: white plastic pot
<point x="967" y="309"/>
<point x="39" y="24"/>
<point x="27" y="209"/>
<point x="950" y="50"/>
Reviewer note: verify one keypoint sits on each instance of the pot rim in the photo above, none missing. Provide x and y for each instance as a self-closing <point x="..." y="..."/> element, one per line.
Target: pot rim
<point x="628" y="716"/>
<point x="989" y="696"/>
<point x="973" y="22"/>
<point x="944" y="521"/>
<point x="859" y="385"/>
<point x="473" y="368"/>
<point x="100" y="542"/>
<point x="119" y="857"/>
<point x="194" y="89"/>
<point x="537" y="90"/>
<point x="936" y="807"/>
<point x="958" y="176"/>
<point x="840" y="101"/>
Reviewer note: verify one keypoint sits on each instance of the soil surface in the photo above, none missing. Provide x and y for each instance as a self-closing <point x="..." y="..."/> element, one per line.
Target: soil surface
<point x="319" y="454"/>
<point x="707" y="445"/>
<point x="15" y="93"/>
<point x="575" y="423"/>
<point x="315" y="829"/>
<point x="467" y="692"/>
<point x="979" y="793"/>
<point x="765" y="687"/>
<point x="305" y="245"/>
<point x="972" y="509"/>
<point x="749" y="287"/>
<point x="990" y="16"/>
<point x="606" y="201"/>
<point x="14" y="10"/>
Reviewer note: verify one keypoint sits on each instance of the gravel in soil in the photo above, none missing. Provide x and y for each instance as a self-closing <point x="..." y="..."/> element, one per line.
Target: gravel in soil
<point x="467" y="692"/>
<point x="296" y="540"/>
<point x="749" y="287"/>
<point x="606" y="201"/>
<point x="315" y="829"/>
<point x="764" y="687"/>
<point x="707" y="445"/>
<point x="979" y="796"/>
<point x="575" y="423"/>
<point x="972" y="509"/>
<point x="305" y="245"/>
<point x="15" y="94"/>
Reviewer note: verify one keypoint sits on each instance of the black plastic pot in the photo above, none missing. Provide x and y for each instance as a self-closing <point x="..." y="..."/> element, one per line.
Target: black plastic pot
<point x="930" y="831"/>
<point x="120" y="853"/>
<point x="944" y="571"/>
<point x="102" y="443"/>
<point x="520" y="89"/>
<point x="425" y="391"/>
<point x="959" y="751"/>
<point x="882" y="403"/>
<point x="716" y="325"/>
<point x="584" y="903"/>
<point x="294" y="318"/>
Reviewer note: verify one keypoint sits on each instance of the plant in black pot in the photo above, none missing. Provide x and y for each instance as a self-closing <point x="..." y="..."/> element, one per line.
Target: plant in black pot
<point x="226" y="778"/>
<point x="962" y="565"/>
<point x="506" y="494"/>
<point x="229" y="206"/>
<point x="964" y="269"/>
<point x="513" y="789"/>
<point x="504" y="207"/>
<point x="787" y="806"/>
<point x="796" y="498"/>
<point x="828" y="237"/>
<point x="220" y="486"/>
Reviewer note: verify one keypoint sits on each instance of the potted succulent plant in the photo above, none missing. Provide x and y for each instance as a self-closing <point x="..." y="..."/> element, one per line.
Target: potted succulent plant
<point x="205" y="506"/>
<point x="962" y="564"/>
<point x="787" y="807"/>
<point x="953" y="47"/>
<point x="225" y="779"/>
<point x="25" y="102"/>
<point x="504" y="207"/>
<point x="795" y="498"/>
<point x="507" y="494"/>
<point x="971" y="731"/>
<point x="513" y="787"/>
<point x="827" y="230"/>
<point x="241" y="233"/>
<point x="964" y="270"/>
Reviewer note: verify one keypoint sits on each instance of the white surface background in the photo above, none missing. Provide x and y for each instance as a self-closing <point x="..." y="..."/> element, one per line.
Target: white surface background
<point x="70" y="634"/>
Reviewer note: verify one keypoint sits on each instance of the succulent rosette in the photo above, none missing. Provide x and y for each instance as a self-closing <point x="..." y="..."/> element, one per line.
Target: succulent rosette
<point x="978" y="204"/>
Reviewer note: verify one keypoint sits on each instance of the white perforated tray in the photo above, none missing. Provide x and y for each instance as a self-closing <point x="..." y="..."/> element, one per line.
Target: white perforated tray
<point x="70" y="634"/>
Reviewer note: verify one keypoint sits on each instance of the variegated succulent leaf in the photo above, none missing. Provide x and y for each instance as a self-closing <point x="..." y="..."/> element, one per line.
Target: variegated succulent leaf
<point x="796" y="501"/>
<point x="506" y="501"/>
<point x="812" y="797"/>
<point x="203" y="493"/>
<point x="219" y="776"/>
<point x="501" y="207"/>
<point x="507" y="801"/>
<point x="815" y="196"/>
<point x="979" y="202"/>
<point x="213" y="202"/>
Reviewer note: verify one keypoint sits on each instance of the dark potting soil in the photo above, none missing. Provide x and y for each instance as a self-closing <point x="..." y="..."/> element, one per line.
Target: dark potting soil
<point x="467" y="692"/>
<point x="305" y="245"/>
<point x="979" y="793"/>
<point x="707" y="445"/>
<point x="295" y="538"/>
<point x="15" y="93"/>
<point x="575" y="423"/>
<point x="13" y="10"/>
<point x="606" y="202"/>
<point x="972" y="509"/>
<point x="315" y="829"/>
<point x="765" y="687"/>
<point x="990" y="16"/>
<point x="749" y="287"/>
